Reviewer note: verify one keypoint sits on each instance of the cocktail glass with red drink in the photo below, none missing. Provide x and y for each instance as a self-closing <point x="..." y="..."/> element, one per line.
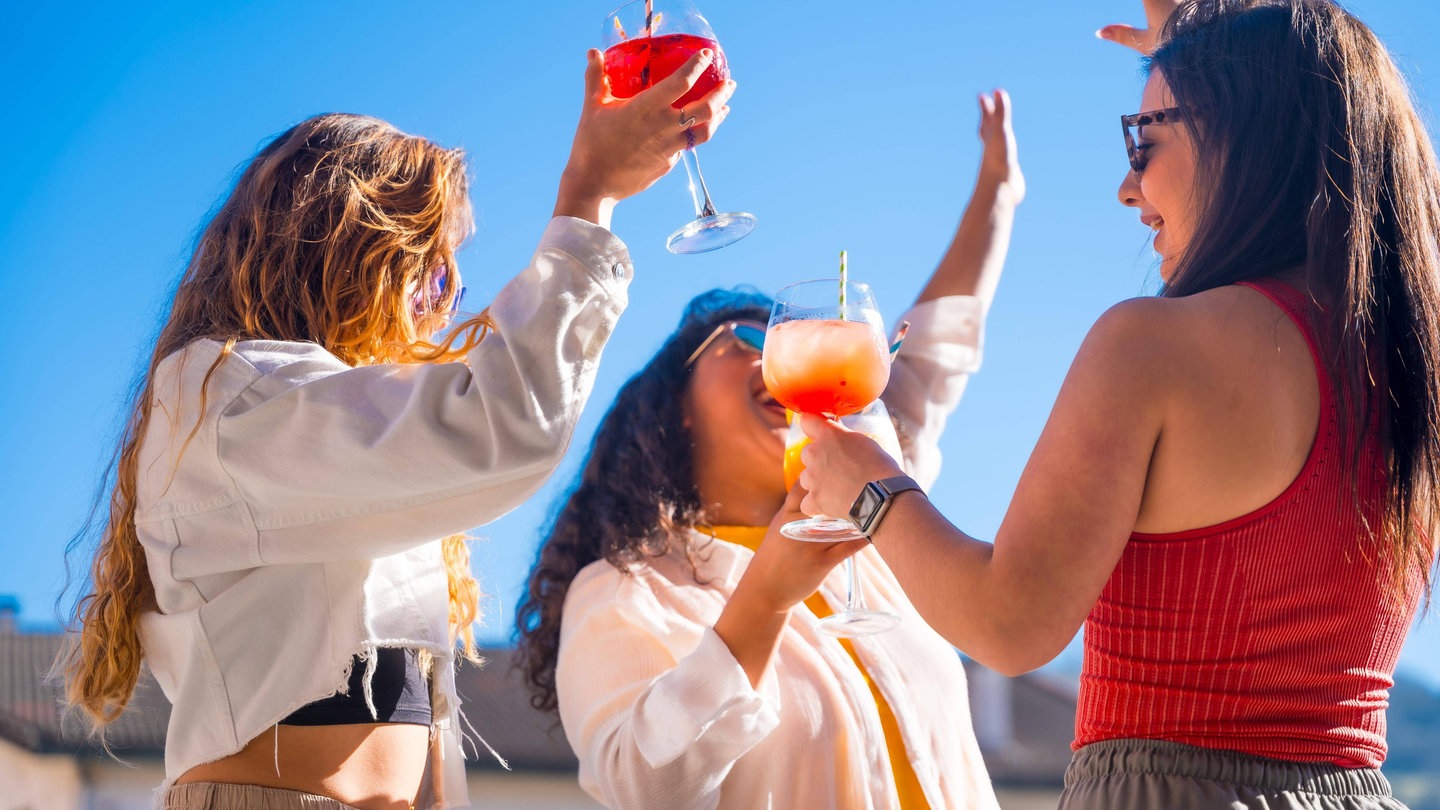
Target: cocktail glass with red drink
<point x="645" y="41"/>
<point x="828" y="358"/>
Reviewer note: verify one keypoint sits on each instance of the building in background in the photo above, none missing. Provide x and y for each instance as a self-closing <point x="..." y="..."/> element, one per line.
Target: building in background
<point x="1024" y="724"/>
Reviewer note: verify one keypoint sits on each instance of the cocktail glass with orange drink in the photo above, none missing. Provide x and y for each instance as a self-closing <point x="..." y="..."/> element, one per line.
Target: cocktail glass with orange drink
<point x="825" y="354"/>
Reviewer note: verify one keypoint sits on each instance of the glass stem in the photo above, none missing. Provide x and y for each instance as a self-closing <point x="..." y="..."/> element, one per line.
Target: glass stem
<point x="854" y="599"/>
<point x="701" y="195"/>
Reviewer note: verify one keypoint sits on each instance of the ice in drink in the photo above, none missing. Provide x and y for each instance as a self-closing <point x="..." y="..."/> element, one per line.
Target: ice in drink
<point x="828" y="367"/>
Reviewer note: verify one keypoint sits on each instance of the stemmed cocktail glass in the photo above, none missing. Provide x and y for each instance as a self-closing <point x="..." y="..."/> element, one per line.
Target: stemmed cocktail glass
<point x="874" y="421"/>
<point x="645" y="41"/>
<point x="825" y="354"/>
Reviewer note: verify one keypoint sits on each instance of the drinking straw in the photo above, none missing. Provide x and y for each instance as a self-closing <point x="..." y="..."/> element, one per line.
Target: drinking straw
<point x="899" y="338"/>
<point x="844" y="273"/>
<point x="649" y="17"/>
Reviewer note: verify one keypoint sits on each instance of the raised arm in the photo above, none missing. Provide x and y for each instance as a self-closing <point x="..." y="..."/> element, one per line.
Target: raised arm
<point x="332" y="462"/>
<point x="948" y="320"/>
<point x="972" y="264"/>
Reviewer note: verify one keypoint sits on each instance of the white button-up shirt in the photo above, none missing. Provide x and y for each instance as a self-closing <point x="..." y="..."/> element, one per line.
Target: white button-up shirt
<point x="662" y="716"/>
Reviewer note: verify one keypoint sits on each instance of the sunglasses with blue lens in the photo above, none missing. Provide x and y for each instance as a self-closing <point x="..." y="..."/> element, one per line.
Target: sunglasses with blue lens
<point x="439" y="280"/>
<point x="750" y="336"/>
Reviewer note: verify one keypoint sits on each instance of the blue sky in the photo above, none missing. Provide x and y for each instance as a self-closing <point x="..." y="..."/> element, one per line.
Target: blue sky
<point x="853" y="127"/>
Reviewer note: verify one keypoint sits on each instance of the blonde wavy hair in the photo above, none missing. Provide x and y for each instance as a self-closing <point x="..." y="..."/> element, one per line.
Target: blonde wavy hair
<point x="326" y="237"/>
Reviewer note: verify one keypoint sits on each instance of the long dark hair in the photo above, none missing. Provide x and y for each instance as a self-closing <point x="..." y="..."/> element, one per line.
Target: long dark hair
<point x="636" y="496"/>
<point x="1316" y="159"/>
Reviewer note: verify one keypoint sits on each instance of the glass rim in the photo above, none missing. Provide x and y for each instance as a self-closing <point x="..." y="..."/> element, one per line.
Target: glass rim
<point x="687" y="3"/>
<point x="820" y="295"/>
<point x="686" y="7"/>
<point x="832" y="281"/>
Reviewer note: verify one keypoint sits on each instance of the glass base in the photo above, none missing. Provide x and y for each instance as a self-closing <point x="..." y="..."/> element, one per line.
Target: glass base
<point x="858" y="623"/>
<point x="711" y="233"/>
<point x="821" y="530"/>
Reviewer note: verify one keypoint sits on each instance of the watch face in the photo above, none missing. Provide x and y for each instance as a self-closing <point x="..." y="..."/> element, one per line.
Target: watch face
<point x="864" y="509"/>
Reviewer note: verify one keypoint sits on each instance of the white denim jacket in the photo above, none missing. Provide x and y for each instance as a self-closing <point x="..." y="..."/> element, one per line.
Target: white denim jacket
<point x="290" y="510"/>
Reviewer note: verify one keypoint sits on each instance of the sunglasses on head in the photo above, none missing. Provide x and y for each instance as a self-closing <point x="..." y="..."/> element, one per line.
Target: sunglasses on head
<point x="748" y="335"/>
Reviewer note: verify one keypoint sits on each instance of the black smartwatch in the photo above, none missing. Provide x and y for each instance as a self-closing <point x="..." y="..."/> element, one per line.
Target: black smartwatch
<point x="874" y="501"/>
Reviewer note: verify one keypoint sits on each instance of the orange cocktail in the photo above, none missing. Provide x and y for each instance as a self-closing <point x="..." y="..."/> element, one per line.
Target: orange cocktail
<point x="793" y="465"/>
<point x="825" y="366"/>
<point x="825" y="354"/>
<point x="873" y="421"/>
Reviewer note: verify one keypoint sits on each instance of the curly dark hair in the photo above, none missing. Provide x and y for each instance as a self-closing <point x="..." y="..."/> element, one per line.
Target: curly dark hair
<point x="636" y="494"/>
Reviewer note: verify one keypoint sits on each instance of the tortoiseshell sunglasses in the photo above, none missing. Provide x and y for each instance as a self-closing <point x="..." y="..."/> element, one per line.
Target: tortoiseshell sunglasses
<point x="1133" y="126"/>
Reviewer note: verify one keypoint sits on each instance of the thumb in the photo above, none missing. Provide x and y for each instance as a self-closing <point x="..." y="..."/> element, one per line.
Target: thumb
<point x="595" y="84"/>
<point x="793" y="498"/>
<point x="677" y="84"/>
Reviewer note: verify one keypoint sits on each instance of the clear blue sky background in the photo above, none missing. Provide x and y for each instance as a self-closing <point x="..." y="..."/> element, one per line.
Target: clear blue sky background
<point x="853" y="127"/>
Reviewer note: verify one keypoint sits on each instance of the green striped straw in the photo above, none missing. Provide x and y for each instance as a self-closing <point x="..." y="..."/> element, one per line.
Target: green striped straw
<point x="844" y="273"/>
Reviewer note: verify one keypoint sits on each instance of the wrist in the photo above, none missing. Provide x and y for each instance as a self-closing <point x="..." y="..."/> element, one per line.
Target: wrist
<point x="875" y="499"/>
<point x="997" y="181"/>
<point x="582" y="198"/>
<point x="752" y="605"/>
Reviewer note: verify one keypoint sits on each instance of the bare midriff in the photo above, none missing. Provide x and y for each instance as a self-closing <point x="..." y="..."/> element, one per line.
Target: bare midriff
<point x="374" y="766"/>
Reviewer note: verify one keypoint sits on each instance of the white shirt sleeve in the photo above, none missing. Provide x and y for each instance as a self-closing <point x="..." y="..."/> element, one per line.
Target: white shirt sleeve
<point x="653" y="726"/>
<point x="942" y="349"/>
<point x="329" y="462"/>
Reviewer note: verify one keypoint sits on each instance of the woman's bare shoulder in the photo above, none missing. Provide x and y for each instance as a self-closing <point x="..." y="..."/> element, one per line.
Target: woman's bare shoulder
<point x="1190" y="326"/>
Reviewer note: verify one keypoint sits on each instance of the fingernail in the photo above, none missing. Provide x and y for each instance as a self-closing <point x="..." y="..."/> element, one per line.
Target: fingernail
<point x="1100" y="34"/>
<point x="707" y="53"/>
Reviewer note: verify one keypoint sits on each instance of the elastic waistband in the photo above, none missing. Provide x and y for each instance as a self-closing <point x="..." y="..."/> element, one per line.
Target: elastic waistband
<point x="1130" y="756"/>
<point x="224" y="796"/>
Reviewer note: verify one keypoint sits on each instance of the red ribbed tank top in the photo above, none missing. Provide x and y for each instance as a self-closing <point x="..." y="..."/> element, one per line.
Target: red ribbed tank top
<point x="1271" y="634"/>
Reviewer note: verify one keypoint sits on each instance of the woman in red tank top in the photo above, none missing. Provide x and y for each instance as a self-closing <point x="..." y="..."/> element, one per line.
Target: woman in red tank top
<point x="1236" y="489"/>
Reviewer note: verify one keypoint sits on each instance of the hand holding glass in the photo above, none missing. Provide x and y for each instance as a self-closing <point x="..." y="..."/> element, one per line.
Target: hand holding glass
<point x="856" y="619"/>
<point x="826" y="358"/>
<point x="645" y="41"/>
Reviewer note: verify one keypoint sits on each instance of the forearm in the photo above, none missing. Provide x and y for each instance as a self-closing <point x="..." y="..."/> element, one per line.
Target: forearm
<point x="976" y="256"/>
<point x="751" y="631"/>
<point x="956" y="584"/>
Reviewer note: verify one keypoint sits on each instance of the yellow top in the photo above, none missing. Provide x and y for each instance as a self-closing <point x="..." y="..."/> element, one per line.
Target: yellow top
<point x="907" y="786"/>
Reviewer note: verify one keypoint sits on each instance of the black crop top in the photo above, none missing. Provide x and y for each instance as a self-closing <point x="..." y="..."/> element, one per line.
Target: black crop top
<point x="401" y="695"/>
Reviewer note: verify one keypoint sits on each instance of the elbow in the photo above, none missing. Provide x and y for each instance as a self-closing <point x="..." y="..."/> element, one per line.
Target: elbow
<point x="1013" y="666"/>
<point x="1014" y="652"/>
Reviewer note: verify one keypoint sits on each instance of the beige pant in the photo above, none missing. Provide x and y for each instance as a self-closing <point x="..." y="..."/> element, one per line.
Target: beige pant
<point x="219" y="796"/>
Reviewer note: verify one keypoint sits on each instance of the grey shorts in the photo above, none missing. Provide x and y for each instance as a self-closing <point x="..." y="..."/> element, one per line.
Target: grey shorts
<point x="1146" y="774"/>
<point x="220" y="796"/>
